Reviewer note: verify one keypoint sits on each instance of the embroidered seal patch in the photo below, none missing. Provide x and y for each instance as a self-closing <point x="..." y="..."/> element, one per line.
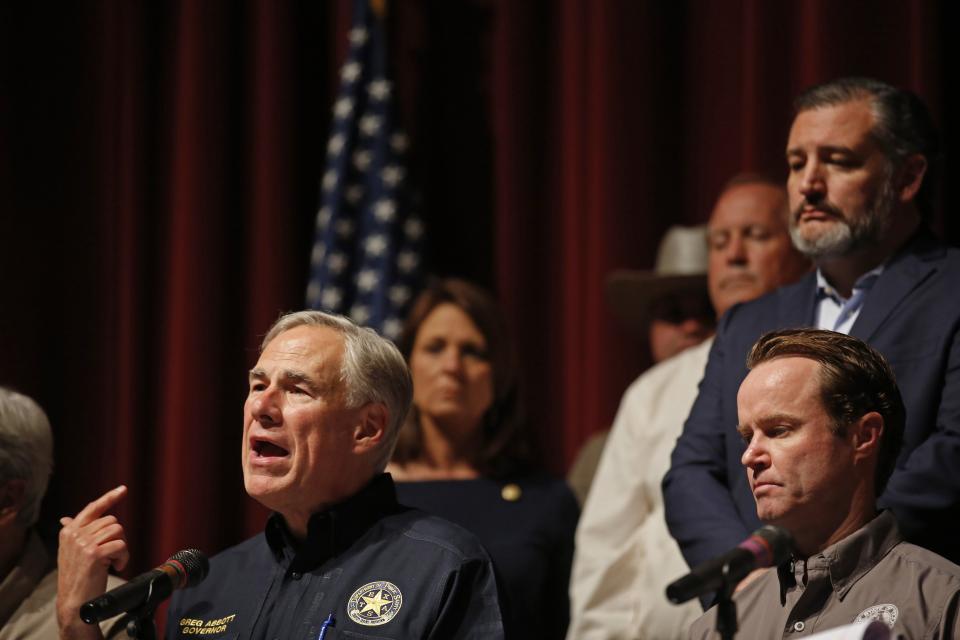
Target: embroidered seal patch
<point x="375" y="603"/>
<point x="885" y="613"/>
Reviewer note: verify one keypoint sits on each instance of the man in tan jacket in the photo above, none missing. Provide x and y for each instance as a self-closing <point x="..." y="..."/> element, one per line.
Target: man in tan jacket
<point x="823" y="421"/>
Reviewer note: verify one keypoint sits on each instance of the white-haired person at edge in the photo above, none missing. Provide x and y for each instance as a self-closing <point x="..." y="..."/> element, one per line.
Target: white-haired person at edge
<point x="28" y="573"/>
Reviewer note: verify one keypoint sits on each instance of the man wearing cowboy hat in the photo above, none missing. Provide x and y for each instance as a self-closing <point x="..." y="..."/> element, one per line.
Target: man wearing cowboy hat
<point x="670" y="303"/>
<point x="668" y="308"/>
<point x="624" y="553"/>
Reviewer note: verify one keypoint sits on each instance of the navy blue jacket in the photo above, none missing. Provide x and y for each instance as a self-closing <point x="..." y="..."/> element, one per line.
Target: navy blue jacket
<point x="529" y="537"/>
<point x="380" y="570"/>
<point x="912" y="316"/>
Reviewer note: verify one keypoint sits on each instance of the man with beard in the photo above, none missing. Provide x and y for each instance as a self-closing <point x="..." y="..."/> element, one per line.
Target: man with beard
<point x="861" y="158"/>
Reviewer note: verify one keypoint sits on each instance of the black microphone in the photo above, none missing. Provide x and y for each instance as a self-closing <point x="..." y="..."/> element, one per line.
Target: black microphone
<point x="185" y="568"/>
<point x="768" y="546"/>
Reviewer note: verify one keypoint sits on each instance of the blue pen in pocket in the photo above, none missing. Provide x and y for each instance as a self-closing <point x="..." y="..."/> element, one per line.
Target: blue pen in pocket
<point x="329" y="622"/>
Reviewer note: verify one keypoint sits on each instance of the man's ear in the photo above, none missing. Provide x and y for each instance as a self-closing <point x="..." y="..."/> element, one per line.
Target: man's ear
<point x="371" y="427"/>
<point x="865" y="435"/>
<point x="12" y="496"/>
<point x="910" y="177"/>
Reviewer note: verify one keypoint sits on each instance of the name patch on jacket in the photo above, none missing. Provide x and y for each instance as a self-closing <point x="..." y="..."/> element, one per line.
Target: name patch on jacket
<point x="200" y="627"/>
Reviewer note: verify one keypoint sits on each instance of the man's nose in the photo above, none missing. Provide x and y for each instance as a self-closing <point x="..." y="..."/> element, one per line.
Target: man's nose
<point x="755" y="456"/>
<point x="736" y="252"/>
<point x="266" y="408"/>
<point x="812" y="184"/>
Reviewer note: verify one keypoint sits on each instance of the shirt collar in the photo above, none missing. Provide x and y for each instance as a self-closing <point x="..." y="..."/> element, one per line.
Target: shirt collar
<point x="333" y="530"/>
<point x="867" y="280"/>
<point x="850" y="559"/>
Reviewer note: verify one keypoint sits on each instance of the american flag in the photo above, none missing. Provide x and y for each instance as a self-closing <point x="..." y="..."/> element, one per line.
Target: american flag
<point x="366" y="253"/>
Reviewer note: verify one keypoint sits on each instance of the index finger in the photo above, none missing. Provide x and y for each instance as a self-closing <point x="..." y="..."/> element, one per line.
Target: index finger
<point x="101" y="505"/>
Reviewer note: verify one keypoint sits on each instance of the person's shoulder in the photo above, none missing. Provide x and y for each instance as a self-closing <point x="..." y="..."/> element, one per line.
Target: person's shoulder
<point x="952" y="254"/>
<point x="542" y="497"/>
<point x="926" y="249"/>
<point x="772" y="300"/>
<point x="925" y="244"/>
<point x="666" y="373"/>
<point x="747" y="320"/>
<point x="543" y="505"/>
<point x="240" y="556"/>
<point x="680" y="363"/>
<point x="550" y="494"/>
<point x="251" y="544"/>
<point x="419" y="528"/>
<point x="950" y="260"/>
<point x="931" y="577"/>
<point x="40" y="602"/>
<point x="538" y="482"/>
<point x="931" y="565"/>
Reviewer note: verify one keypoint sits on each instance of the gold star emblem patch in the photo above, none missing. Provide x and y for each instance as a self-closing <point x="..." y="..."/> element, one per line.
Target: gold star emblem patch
<point x="375" y="603"/>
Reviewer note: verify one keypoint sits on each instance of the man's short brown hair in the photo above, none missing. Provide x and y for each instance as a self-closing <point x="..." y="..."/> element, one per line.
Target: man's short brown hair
<point x="855" y="379"/>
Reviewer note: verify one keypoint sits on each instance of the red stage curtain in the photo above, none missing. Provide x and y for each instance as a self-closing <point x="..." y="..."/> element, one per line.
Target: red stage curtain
<point x="614" y="120"/>
<point x="159" y="173"/>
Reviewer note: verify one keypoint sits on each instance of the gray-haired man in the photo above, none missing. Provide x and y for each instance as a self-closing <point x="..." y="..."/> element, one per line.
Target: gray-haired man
<point x="326" y="399"/>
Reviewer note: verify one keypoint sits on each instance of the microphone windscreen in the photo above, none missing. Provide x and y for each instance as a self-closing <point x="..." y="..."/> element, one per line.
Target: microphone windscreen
<point x="195" y="566"/>
<point x="770" y="545"/>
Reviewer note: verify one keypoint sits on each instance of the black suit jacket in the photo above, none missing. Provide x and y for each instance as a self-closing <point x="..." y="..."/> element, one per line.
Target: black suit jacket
<point x="912" y="316"/>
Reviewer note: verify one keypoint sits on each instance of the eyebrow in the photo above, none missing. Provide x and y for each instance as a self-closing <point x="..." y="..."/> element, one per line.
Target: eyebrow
<point x="288" y="375"/>
<point x="773" y="418"/>
<point x="779" y="418"/>
<point x="796" y="151"/>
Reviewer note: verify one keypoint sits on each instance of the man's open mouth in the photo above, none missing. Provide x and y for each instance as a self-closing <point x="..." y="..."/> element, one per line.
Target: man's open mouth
<point x="264" y="449"/>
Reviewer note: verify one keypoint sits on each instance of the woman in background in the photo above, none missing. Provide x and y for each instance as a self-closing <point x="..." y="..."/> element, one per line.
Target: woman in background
<point x="463" y="455"/>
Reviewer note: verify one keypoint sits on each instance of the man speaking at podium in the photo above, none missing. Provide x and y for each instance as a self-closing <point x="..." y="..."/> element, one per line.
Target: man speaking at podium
<point x="339" y="555"/>
<point x="822" y="418"/>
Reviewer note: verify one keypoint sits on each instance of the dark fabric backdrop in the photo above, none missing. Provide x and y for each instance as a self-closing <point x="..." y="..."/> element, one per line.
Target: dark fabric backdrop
<point x="159" y="167"/>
